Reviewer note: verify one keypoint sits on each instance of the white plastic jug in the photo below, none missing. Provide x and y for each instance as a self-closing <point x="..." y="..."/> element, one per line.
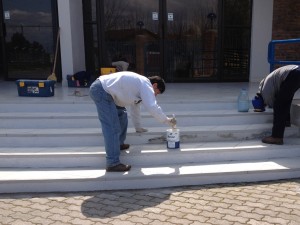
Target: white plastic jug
<point x="243" y="101"/>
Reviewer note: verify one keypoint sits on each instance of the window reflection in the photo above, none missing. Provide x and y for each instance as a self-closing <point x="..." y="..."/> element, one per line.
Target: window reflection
<point x="29" y="38"/>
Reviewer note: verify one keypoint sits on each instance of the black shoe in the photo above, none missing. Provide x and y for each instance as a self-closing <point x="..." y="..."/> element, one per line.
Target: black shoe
<point x="124" y="146"/>
<point x="272" y="140"/>
<point x="118" y="168"/>
<point x="288" y="124"/>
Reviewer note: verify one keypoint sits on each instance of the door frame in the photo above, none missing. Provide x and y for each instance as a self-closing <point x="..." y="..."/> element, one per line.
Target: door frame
<point x="3" y="62"/>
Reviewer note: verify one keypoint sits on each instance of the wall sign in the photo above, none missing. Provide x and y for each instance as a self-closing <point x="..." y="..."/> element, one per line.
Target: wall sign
<point x="170" y="17"/>
<point x="154" y="15"/>
<point x="7" y="15"/>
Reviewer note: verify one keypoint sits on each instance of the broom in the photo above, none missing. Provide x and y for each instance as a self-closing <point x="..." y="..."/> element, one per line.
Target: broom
<point x="53" y="75"/>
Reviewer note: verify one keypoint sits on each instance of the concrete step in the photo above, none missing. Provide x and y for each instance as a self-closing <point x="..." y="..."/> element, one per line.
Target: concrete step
<point x="93" y="136"/>
<point x="90" y="119"/>
<point x="146" y="155"/>
<point x="88" y="106"/>
<point x="87" y="179"/>
<point x="55" y="144"/>
<point x="58" y="146"/>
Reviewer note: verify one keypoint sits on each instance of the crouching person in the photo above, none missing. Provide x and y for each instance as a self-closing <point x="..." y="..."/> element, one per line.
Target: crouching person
<point x="114" y="92"/>
<point x="277" y="91"/>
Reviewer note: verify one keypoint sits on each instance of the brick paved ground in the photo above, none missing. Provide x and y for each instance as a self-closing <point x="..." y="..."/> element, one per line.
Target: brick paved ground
<point x="261" y="203"/>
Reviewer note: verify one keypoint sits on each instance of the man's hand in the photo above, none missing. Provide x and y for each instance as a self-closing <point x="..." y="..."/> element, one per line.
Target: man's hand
<point x="172" y="122"/>
<point x="140" y="130"/>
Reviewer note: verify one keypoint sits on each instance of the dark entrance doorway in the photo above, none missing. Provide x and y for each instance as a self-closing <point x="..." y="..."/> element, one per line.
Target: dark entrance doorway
<point x="182" y="42"/>
<point x="28" y="38"/>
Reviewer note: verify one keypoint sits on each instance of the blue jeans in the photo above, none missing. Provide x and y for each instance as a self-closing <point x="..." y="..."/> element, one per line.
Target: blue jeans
<point x="114" y="122"/>
<point x="283" y="102"/>
<point x="123" y="118"/>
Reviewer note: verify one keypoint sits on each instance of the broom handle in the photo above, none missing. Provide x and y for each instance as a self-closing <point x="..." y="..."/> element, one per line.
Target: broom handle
<point x="56" y="50"/>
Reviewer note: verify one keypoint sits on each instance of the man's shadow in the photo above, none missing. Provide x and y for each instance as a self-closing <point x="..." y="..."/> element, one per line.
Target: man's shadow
<point x="114" y="203"/>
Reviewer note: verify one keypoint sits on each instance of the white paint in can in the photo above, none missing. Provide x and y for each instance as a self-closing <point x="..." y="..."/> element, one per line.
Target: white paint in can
<point x="173" y="138"/>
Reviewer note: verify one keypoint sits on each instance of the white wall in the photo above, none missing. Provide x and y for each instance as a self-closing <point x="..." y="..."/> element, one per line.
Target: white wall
<point x="71" y="37"/>
<point x="262" y="18"/>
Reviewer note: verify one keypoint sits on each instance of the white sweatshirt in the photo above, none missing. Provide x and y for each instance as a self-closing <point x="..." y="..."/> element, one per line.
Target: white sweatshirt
<point x="128" y="89"/>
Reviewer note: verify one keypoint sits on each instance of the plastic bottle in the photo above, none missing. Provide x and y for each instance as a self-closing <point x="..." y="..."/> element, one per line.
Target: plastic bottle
<point x="243" y="101"/>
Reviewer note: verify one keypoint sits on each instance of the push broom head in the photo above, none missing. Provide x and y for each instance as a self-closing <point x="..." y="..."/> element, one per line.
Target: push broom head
<point x="52" y="77"/>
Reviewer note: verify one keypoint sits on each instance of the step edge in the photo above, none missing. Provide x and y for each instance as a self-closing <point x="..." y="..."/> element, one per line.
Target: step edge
<point x="100" y="174"/>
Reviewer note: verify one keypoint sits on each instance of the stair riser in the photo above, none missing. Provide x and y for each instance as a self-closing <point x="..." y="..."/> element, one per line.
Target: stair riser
<point x="48" y="108"/>
<point x="94" y="140"/>
<point x="202" y="120"/>
<point x="146" y="138"/>
<point x="75" y="185"/>
<point x="97" y="160"/>
<point x="90" y="107"/>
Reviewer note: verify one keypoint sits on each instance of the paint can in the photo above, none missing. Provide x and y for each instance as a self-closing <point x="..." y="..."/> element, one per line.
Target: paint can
<point x="173" y="138"/>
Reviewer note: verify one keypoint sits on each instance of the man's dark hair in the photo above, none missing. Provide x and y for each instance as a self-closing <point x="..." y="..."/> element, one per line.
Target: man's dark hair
<point x="160" y="83"/>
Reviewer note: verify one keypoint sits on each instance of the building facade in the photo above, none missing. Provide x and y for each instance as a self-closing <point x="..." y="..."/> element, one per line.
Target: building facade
<point x="203" y="41"/>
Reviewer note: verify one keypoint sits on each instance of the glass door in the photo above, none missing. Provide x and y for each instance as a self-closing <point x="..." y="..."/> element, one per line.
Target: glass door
<point x="29" y="39"/>
<point x="236" y="40"/>
<point x="118" y="30"/>
<point x="191" y="40"/>
<point x="131" y="30"/>
<point x="168" y="37"/>
<point x="182" y="41"/>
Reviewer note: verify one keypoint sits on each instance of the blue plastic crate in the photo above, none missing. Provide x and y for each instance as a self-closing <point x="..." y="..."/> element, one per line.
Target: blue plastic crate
<point x="35" y="88"/>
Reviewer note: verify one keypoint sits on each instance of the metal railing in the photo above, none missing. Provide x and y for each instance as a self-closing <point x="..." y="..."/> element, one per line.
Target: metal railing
<point x="271" y="53"/>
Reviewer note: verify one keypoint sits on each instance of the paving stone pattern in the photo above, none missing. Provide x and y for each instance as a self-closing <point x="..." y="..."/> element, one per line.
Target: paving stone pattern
<point x="261" y="203"/>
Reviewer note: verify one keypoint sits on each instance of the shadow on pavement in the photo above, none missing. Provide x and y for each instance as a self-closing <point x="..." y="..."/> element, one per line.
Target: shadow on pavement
<point x="108" y="204"/>
<point x="114" y="203"/>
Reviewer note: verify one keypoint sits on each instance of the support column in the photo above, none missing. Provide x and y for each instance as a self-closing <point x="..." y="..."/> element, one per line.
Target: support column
<point x="71" y="37"/>
<point x="261" y="35"/>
